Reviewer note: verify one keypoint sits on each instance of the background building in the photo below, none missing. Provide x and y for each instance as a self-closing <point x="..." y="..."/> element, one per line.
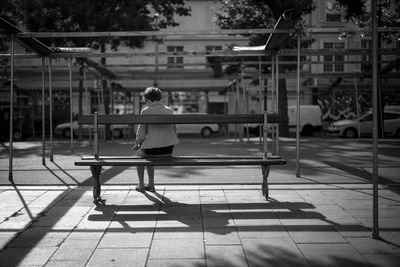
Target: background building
<point x="177" y="63"/>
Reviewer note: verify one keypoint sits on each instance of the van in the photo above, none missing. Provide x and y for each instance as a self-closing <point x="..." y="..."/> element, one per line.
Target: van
<point x="310" y="119"/>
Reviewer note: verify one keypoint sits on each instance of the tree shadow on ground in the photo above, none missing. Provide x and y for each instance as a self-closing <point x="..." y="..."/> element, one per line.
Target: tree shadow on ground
<point x="271" y="255"/>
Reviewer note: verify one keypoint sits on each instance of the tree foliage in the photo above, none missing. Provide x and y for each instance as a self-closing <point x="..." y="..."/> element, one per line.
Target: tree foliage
<point x="388" y="15"/>
<point x="247" y="14"/>
<point x="93" y="15"/>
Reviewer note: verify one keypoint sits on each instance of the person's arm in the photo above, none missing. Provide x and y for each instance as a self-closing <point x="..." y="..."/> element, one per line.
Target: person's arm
<point x="136" y="146"/>
<point x="140" y="134"/>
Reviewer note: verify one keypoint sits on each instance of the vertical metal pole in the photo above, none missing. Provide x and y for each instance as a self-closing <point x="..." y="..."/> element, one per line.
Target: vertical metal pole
<point x="43" y="113"/>
<point x="33" y="116"/>
<point x="357" y="108"/>
<point x="298" y="107"/>
<point x="96" y="136"/>
<point x="245" y="107"/>
<point x="87" y="102"/>
<point x="51" y="111"/>
<point x="277" y="105"/>
<point x="375" y="227"/>
<point x="260" y="82"/>
<point x="238" y="127"/>
<point x="70" y="104"/>
<point x="272" y="100"/>
<point x="11" y="145"/>
<point x="265" y="134"/>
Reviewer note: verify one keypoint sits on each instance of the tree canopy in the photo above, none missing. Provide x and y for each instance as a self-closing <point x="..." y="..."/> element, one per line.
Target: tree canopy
<point x="246" y="14"/>
<point x="93" y="15"/>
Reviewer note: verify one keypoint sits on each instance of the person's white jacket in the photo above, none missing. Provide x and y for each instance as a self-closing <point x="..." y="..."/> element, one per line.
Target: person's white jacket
<point x="156" y="135"/>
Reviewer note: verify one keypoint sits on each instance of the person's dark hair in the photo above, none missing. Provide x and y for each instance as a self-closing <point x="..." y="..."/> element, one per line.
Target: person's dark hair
<point x="152" y="94"/>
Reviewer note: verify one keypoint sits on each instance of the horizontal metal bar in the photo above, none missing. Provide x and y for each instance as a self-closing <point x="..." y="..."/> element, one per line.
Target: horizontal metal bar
<point x="228" y="53"/>
<point x="190" y="33"/>
<point x="179" y="119"/>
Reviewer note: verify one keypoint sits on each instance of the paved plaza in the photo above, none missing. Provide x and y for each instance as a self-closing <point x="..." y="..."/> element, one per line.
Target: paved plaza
<point x="202" y="217"/>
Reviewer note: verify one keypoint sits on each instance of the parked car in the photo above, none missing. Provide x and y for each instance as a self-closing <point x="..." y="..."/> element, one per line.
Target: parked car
<point x="206" y="130"/>
<point x="310" y="120"/>
<point x="64" y="129"/>
<point x="351" y="128"/>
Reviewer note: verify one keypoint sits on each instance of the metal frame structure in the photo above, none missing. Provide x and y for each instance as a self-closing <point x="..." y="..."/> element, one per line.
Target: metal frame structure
<point x="28" y="39"/>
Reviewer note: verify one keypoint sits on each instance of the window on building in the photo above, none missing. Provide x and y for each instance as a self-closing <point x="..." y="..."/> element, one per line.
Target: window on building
<point x="175" y="61"/>
<point x="333" y="63"/>
<point x="213" y="48"/>
<point x="214" y="62"/>
<point x="333" y="11"/>
<point x="365" y="59"/>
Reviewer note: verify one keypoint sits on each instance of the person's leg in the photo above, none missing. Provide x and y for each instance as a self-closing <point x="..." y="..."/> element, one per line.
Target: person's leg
<point x="150" y="169"/>
<point x="140" y="173"/>
<point x="150" y="173"/>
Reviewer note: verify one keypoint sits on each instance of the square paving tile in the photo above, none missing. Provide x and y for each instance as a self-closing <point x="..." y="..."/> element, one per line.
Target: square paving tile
<point x="40" y="236"/>
<point x="179" y="233"/>
<point x="17" y="256"/>
<point x="219" y="221"/>
<point x="383" y="260"/>
<point x="119" y="257"/>
<point x="5" y="238"/>
<point x="125" y="240"/>
<point x="262" y="231"/>
<point x="332" y="255"/>
<point x="177" y="249"/>
<point x="220" y="236"/>
<point x="370" y="245"/>
<point x="232" y="256"/>
<point x="176" y="263"/>
<point x="72" y="249"/>
<point x="65" y="263"/>
<point x="273" y="252"/>
<point x="328" y="236"/>
<point x="178" y="221"/>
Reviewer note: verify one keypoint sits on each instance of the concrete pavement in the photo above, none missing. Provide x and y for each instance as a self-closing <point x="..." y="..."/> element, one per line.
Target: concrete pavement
<point x="228" y="225"/>
<point x="202" y="217"/>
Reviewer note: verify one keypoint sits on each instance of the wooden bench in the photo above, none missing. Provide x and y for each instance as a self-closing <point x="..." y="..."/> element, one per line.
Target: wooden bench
<point x="96" y="162"/>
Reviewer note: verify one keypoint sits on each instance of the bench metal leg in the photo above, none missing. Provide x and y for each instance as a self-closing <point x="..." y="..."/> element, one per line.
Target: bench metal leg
<point x="96" y="170"/>
<point x="265" y="173"/>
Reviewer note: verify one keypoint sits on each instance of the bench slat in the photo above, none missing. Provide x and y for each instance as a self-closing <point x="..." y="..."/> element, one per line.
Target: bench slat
<point x="180" y="162"/>
<point x="179" y="119"/>
<point x="185" y="157"/>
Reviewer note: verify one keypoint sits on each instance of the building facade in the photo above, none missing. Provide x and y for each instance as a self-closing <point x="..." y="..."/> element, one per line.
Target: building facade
<point x="177" y="63"/>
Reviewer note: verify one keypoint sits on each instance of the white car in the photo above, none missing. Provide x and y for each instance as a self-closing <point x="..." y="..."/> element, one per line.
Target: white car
<point x="206" y="130"/>
<point x="64" y="129"/>
<point x="351" y="128"/>
<point x="310" y="120"/>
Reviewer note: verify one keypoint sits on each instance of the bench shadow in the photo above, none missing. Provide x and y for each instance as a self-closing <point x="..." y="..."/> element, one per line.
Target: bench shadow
<point x="217" y="217"/>
<point x="106" y="175"/>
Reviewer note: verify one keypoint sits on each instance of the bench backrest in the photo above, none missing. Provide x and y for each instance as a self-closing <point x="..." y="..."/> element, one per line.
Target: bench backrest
<point x="179" y="119"/>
